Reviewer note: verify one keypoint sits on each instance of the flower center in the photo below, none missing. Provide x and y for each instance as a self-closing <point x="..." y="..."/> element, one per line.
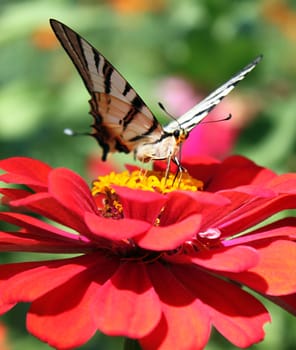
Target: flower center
<point x="147" y="181"/>
<point x="110" y="206"/>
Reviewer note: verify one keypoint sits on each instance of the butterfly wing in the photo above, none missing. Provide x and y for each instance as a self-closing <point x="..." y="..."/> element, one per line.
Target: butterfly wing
<point x="195" y="115"/>
<point x="122" y="121"/>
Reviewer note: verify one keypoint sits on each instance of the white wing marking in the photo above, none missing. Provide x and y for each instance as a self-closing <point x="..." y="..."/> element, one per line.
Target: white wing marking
<point x="195" y="115"/>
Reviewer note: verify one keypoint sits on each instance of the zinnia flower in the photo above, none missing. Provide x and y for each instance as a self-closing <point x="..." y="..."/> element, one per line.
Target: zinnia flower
<point x="158" y="261"/>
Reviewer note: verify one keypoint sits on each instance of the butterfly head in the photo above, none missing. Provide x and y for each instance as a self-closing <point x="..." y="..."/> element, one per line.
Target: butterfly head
<point x="180" y="135"/>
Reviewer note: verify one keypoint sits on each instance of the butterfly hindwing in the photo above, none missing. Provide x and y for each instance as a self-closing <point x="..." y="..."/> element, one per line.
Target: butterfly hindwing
<point x="121" y="118"/>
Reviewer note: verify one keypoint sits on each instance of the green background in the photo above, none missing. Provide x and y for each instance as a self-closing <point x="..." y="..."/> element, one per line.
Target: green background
<point x="204" y="42"/>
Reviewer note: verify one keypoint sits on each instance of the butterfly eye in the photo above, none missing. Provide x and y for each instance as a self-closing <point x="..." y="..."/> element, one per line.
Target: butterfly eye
<point x="180" y="135"/>
<point x="177" y="133"/>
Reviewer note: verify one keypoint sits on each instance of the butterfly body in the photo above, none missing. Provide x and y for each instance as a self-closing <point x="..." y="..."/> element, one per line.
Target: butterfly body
<point x="122" y="121"/>
<point x="165" y="147"/>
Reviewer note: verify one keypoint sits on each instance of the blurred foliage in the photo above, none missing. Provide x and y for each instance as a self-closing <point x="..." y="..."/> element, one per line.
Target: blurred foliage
<point x="203" y="41"/>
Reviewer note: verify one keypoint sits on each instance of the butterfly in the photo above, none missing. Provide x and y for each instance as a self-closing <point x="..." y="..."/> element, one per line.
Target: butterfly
<point x="122" y="121"/>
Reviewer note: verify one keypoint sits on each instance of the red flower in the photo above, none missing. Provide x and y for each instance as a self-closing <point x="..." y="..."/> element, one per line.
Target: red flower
<point x="153" y="267"/>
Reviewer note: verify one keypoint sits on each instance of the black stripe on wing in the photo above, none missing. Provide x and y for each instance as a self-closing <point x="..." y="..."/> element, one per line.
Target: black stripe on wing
<point x="152" y="128"/>
<point x="107" y="71"/>
<point x="127" y="89"/>
<point x="72" y="44"/>
<point x="136" y="107"/>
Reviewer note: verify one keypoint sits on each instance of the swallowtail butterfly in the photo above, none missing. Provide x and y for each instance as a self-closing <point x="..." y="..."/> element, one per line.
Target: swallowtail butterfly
<point x="122" y="121"/>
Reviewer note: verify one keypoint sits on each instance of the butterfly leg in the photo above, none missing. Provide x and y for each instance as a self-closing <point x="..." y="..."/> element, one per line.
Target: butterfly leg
<point x="167" y="170"/>
<point x="180" y="170"/>
<point x="143" y="171"/>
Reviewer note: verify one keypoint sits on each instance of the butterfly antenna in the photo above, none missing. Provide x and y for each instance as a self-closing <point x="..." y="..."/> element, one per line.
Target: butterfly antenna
<point x="168" y="114"/>
<point x="217" y="120"/>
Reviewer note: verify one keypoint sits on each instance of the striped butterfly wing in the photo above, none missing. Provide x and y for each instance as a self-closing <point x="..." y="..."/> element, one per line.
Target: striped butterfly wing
<point x="195" y="115"/>
<point x="122" y="121"/>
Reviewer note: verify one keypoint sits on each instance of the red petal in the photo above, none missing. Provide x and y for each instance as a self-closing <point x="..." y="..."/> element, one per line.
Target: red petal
<point x="237" y="171"/>
<point x="115" y="229"/>
<point x="232" y="172"/>
<point x="127" y="304"/>
<point x="179" y="206"/>
<point x="247" y="212"/>
<point x="237" y="315"/>
<point x="26" y="200"/>
<point x="11" y="194"/>
<point x="37" y="228"/>
<point x="44" y="204"/>
<point x="211" y="206"/>
<point x="71" y="191"/>
<point x="141" y="205"/>
<point x="185" y="323"/>
<point x="18" y="242"/>
<point x="200" y="167"/>
<point x="25" y="171"/>
<point x="217" y="209"/>
<point x="169" y="237"/>
<point x="63" y="317"/>
<point x="131" y="167"/>
<point x="285" y="183"/>
<point x="13" y="275"/>
<point x="30" y="280"/>
<point x="5" y="308"/>
<point x="284" y="228"/>
<point x="234" y="259"/>
<point x="275" y="274"/>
